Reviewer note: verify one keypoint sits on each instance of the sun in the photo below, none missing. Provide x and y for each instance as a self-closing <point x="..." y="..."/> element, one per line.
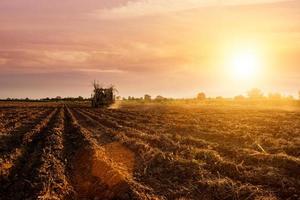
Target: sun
<point x="245" y="65"/>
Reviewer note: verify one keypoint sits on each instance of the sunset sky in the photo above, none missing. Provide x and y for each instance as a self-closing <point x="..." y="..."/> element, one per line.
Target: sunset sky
<point x="174" y="48"/>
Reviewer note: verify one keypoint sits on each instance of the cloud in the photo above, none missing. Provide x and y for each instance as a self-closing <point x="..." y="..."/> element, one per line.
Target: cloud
<point x="3" y="61"/>
<point x="102" y="70"/>
<point x="130" y="57"/>
<point x="68" y="56"/>
<point x="156" y="7"/>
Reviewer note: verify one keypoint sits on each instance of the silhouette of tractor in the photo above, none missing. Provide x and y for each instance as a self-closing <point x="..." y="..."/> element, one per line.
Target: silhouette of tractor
<point x="102" y="97"/>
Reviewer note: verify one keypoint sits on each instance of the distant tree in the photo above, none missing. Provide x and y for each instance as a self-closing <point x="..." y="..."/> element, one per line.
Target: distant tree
<point x="132" y="98"/>
<point x="239" y="97"/>
<point x="201" y="96"/>
<point x="275" y="96"/>
<point x="290" y="98"/>
<point x="219" y="98"/>
<point x="255" y="94"/>
<point x="80" y="98"/>
<point x="147" y="97"/>
<point x="160" y="98"/>
<point x="118" y="97"/>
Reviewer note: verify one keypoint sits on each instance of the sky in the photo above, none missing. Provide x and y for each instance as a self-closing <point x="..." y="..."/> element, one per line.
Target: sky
<point x="172" y="48"/>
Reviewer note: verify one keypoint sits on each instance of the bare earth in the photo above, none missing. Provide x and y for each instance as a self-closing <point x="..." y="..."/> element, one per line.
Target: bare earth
<point x="57" y="151"/>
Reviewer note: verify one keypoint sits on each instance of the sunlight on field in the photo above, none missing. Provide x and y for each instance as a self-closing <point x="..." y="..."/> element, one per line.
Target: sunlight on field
<point x="111" y="166"/>
<point x="150" y="150"/>
<point x="150" y="99"/>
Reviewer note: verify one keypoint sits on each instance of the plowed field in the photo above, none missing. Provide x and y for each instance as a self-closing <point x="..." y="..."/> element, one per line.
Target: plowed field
<point x="154" y="152"/>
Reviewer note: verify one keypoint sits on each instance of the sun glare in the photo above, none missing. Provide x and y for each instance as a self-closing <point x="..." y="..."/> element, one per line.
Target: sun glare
<point x="245" y="65"/>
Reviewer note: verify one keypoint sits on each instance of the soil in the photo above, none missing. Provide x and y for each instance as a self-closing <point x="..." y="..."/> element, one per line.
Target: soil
<point x="76" y="152"/>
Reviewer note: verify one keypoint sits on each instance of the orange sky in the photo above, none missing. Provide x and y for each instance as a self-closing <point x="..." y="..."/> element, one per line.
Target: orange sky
<point x="172" y="47"/>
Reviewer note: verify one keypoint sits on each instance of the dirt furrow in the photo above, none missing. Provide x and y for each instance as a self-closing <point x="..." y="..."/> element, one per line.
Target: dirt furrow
<point x="167" y="160"/>
<point x="262" y="166"/>
<point x="284" y="165"/>
<point x="10" y="144"/>
<point x="14" y="119"/>
<point x="96" y="172"/>
<point x="24" y="176"/>
<point x="147" y="152"/>
<point x="173" y="126"/>
<point x="18" y="118"/>
<point x="237" y="155"/>
<point x="52" y="170"/>
<point x="40" y="172"/>
<point x="253" y="128"/>
<point x="150" y="132"/>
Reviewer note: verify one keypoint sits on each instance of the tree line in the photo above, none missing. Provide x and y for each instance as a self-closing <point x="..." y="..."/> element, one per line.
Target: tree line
<point x="48" y="99"/>
<point x="253" y="94"/>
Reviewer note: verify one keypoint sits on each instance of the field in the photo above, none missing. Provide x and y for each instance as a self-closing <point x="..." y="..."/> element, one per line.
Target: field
<point x="64" y="151"/>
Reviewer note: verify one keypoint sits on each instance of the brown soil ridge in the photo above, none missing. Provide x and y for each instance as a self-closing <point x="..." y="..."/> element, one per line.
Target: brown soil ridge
<point x="102" y="172"/>
<point x="24" y="180"/>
